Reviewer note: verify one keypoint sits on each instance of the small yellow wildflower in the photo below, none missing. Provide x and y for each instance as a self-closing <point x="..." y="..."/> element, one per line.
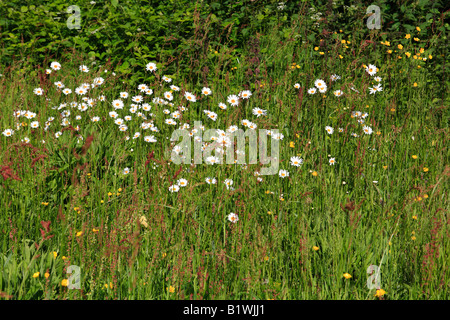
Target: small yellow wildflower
<point x="46" y="275"/>
<point x="35" y="275"/>
<point x="315" y="248"/>
<point x="408" y="36"/>
<point x="64" y="282"/>
<point x="55" y="254"/>
<point x="171" y="289"/>
<point x="79" y="233"/>
<point x="380" y="293"/>
<point x="314" y="173"/>
<point x="400" y="46"/>
<point x="414" y="156"/>
<point x="418" y="29"/>
<point x="347" y="275"/>
<point x="425" y="169"/>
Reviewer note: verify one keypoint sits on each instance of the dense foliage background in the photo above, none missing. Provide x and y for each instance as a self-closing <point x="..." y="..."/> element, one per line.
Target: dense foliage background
<point x="188" y="36"/>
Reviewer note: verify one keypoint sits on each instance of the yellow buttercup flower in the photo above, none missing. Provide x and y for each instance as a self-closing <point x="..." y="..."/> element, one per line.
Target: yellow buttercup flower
<point x="55" y="254"/>
<point x="414" y="156"/>
<point x="64" y="282"/>
<point x="347" y="275"/>
<point x="315" y="248"/>
<point x="425" y="169"/>
<point x="400" y="46"/>
<point x="46" y="275"/>
<point x="408" y="36"/>
<point x="380" y="293"/>
<point x="35" y="275"/>
<point x="171" y="289"/>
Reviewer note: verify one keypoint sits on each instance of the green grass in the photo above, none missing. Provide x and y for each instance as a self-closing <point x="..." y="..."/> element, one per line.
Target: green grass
<point x="399" y="222"/>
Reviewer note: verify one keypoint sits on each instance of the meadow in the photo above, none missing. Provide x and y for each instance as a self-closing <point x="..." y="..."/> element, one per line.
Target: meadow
<point x="358" y="208"/>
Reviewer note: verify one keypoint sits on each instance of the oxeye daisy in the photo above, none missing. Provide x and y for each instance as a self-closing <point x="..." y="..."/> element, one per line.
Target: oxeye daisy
<point x="222" y="106"/>
<point x="259" y="112"/>
<point x="334" y="77"/>
<point x="233" y="100"/>
<point x="190" y="97"/>
<point x="99" y="81"/>
<point x="8" y="132"/>
<point x="283" y="173"/>
<point x="137" y="99"/>
<point x="151" y="66"/>
<point x="167" y="79"/>
<point x="182" y="182"/>
<point x="338" y="93"/>
<point x="371" y="69"/>
<point x="297" y="86"/>
<point x="210" y="180"/>
<point x="233" y="217"/>
<point x="83" y="68"/>
<point x="312" y="90"/>
<point x="296" y="161"/>
<point x="174" y="88"/>
<point x="124" y="95"/>
<point x="117" y="104"/>
<point x="174" y="188"/>
<point x="228" y="183"/>
<point x="149" y="139"/>
<point x="206" y="91"/>
<point x="246" y="94"/>
<point x="332" y="161"/>
<point x="55" y="65"/>
<point x="59" y="84"/>
<point x="38" y="91"/>
<point x="118" y="121"/>
<point x="319" y="83"/>
<point x="212" y="160"/>
<point x="126" y="170"/>
<point x="168" y="95"/>
<point x="329" y="129"/>
<point x="367" y="130"/>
